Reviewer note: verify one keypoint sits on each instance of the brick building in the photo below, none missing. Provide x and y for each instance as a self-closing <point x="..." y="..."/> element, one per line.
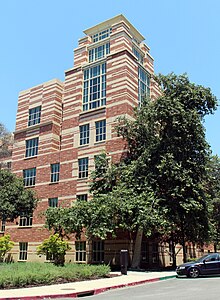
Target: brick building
<point x="61" y="126"/>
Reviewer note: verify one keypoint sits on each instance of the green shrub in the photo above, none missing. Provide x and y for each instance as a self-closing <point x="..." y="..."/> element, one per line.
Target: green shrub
<point x="5" y="246"/>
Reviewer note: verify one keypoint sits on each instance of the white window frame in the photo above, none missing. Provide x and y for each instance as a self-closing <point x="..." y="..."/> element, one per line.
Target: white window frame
<point x="94" y="87"/>
<point x="98" y="250"/>
<point x="29" y="177"/>
<point x="55" y="172"/>
<point x="143" y="84"/>
<point x="34" y="115"/>
<point x="84" y="134"/>
<point x="99" y="52"/>
<point x="25" y="221"/>
<point x="83" y="164"/>
<point x="53" y="202"/>
<point x="23" y="248"/>
<point x="32" y="147"/>
<point x="100" y="128"/>
<point x="80" y="251"/>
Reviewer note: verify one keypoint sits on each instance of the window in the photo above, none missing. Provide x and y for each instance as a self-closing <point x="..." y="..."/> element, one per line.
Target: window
<point x="83" y="167"/>
<point x="53" y="202"/>
<point x="101" y="35"/>
<point x="145" y="252"/>
<point x="49" y="256"/>
<point x="2" y="227"/>
<point x="34" y="115"/>
<point x="25" y="220"/>
<point x="143" y="84"/>
<point x="80" y="248"/>
<point x="31" y="147"/>
<point x="82" y="197"/>
<point x="84" y="134"/>
<point x="23" y="247"/>
<point x="98" y="251"/>
<point x="155" y="254"/>
<point x="100" y="128"/>
<point x="138" y="54"/>
<point x="94" y="88"/>
<point x="99" y="52"/>
<point x="29" y="176"/>
<point x="55" y="172"/>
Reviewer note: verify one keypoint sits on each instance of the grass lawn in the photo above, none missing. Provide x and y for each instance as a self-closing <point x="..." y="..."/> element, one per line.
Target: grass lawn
<point x="24" y="274"/>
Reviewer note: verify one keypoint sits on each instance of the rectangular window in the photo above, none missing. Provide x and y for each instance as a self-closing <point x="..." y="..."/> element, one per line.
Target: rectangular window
<point x="98" y="251"/>
<point x="83" y="167"/>
<point x="143" y="84"/>
<point x="34" y="115"/>
<point x="29" y="177"/>
<point x="53" y="202"/>
<point x="99" y="52"/>
<point x="138" y="54"/>
<point x="55" y="172"/>
<point x="23" y="247"/>
<point x="25" y="220"/>
<point x="31" y="147"/>
<point x="101" y="35"/>
<point x="145" y="252"/>
<point x="84" y="134"/>
<point x="100" y="128"/>
<point x="2" y="226"/>
<point x="80" y="248"/>
<point x="82" y="197"/>
<point x="94" y="88"/>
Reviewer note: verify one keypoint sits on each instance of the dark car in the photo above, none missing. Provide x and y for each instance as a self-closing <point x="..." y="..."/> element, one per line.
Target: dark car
<point x="209" y="264"/>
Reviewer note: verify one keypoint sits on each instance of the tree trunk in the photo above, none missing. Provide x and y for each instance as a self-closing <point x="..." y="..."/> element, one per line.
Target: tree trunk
<point x="137" y="250"/>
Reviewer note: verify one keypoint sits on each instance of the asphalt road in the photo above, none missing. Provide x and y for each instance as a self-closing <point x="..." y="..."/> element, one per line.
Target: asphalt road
<point x="172" y="289"/>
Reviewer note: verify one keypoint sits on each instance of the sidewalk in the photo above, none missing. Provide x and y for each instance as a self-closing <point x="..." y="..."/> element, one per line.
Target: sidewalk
<point x="85" y="288"/>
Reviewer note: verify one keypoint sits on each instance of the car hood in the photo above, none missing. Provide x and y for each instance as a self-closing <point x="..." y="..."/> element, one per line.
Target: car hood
<point x="188" y="264"/>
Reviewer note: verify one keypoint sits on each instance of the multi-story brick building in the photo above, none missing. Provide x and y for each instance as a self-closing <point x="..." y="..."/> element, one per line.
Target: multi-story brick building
<point x="61" y="126"/>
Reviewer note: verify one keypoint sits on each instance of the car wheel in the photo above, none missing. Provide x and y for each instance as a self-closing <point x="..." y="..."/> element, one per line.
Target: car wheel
<point x="193" y="273"/>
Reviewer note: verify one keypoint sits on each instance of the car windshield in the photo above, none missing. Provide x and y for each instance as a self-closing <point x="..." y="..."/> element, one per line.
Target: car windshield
<point x="202" y="258"/>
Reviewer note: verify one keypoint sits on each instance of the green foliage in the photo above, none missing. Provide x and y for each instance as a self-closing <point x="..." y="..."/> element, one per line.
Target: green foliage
<point x="31" y="273"/>
<point x="5" y="246"/>
<point x="54" y="247"/>
<point x="14" y="198"/>
<point x="6" y="140"/>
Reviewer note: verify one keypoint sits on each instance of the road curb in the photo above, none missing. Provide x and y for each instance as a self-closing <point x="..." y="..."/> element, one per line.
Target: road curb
<point x="89" y="292"/>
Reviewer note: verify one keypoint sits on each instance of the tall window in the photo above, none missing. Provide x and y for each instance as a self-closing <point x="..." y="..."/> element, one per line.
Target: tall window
<point x="23" y="247"/>
<point x="82" y="197"/>
<point x="99" y="52"/>
<point x="55" y="172"/>
<point x="83" y="167"/>
<point x="31" y="147"/>
<point x="2" y="225"/>
<point x="143" y="84"/>
<point x="53" y="202"/>
<point x="80" y="248"/>
<point x="84" y="134"/>
<point x="25" y="220"/>
<point x="94" y="88"/>
<point x="34" y="115"/>
<point x="100" y="128"/>
<point x="138" y="54"/>
<point x="29" y="176"/>
<point x="145" y="252"/>
<point x="98" y="251"/>
<point x="101" y="35"/>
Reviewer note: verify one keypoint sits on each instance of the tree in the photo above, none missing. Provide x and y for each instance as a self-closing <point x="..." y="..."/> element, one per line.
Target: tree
<point x="5" y="246"/>
<point x="55" y="248"/>
<point x="14" y="198"/>
<point x="167" y="141"/>
<point x="6" y="140"/>
<point x="213" y="185"/>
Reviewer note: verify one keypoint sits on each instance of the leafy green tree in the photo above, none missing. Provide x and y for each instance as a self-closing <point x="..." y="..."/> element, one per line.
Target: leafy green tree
<point x="5" y="246"/>
<point x="167" y="142"/>
<point x="6" y="140"/>
<point x="54" y="247"/>
<point x="213" y="185"/>
<point x="14" y="198"/>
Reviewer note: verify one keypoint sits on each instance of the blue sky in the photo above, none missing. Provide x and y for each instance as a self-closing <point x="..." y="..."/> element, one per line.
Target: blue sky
<point x="38" y="38"/>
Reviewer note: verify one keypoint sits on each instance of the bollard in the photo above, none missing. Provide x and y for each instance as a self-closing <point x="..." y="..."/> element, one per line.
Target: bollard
<point x="124" y="261"/>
